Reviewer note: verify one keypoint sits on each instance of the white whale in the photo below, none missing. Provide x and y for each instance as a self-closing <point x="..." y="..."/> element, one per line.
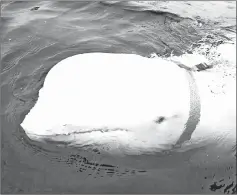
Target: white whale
<point x="131" y="104"/>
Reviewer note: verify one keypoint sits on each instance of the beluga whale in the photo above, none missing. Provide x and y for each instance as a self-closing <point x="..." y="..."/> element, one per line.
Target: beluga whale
<point x="130" y="104"/>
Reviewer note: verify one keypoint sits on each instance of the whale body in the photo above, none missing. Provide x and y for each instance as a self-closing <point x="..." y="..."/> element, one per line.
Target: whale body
<point x="130" y="103"/>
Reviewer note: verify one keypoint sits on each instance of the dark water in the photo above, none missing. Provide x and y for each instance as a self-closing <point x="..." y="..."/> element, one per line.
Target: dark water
<point x="37" y="35"/>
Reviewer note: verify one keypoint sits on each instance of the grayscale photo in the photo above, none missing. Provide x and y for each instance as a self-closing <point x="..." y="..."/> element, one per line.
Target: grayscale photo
<point x="118" y="97"/>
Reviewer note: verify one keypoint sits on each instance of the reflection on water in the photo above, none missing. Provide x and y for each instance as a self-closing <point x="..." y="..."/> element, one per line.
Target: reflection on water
<point x="34" y="40"/>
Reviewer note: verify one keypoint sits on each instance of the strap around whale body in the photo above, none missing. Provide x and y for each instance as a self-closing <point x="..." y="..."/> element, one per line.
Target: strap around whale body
<point x="194" y="111"/>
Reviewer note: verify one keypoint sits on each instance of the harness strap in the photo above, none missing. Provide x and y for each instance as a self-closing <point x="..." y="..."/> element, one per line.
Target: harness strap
<point x="194" y="111"/>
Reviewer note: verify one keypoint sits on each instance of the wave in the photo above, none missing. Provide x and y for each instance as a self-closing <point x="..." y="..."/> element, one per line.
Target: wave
<point x="187" y="9"/>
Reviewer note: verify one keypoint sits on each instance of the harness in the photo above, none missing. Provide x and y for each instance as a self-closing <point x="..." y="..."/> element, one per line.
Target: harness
<point x="194" y="108"/>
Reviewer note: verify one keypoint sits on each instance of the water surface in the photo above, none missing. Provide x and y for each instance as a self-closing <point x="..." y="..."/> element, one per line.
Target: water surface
<point x="37" y="35"/>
